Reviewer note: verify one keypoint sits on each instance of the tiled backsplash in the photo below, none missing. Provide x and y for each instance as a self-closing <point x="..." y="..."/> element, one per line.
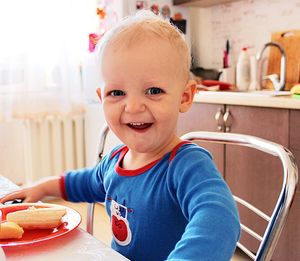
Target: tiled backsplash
<point x="243" y="23"/>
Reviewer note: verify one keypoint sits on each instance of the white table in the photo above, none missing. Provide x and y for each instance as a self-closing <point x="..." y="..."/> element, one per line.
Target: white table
<point x="76" y="245"/>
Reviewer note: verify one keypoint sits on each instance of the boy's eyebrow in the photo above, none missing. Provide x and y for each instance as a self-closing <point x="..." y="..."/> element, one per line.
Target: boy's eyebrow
<point x="112" y="85"/>
<point x="152" y="80"/>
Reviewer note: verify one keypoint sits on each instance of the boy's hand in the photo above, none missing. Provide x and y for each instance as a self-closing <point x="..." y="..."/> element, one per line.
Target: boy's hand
<point x="30" y="194"/>
<point x="46" y="187"/>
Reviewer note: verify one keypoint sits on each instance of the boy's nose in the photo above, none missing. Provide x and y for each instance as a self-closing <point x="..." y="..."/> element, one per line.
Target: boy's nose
<point x="134" y="105"/>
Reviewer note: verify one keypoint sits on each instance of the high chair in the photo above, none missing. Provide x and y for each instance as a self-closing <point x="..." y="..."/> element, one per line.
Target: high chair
<point x="276" y="221"/>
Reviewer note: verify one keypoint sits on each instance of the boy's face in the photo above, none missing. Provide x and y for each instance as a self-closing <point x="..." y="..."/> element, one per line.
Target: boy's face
<point x="144" y="91"/>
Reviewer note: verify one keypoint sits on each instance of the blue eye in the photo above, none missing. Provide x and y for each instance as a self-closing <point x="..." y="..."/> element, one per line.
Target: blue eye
<point x="116" y="93"/>
<point x="154" y="91"/>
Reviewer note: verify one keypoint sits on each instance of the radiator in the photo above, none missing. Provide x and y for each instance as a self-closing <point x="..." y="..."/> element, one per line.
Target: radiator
<point x="53" y="144"/>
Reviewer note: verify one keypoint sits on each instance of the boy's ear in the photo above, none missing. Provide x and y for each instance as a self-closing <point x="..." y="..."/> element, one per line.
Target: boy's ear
<point x="188" y="96"/>
<point x="98" y="91"/>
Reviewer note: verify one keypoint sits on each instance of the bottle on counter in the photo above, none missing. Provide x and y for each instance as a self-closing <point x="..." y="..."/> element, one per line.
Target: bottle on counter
<point x="254" y="82"/>
<point x="243" y="70"/>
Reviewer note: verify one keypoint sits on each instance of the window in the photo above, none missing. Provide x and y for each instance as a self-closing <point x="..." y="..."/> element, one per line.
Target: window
<point x="41" y="49"/>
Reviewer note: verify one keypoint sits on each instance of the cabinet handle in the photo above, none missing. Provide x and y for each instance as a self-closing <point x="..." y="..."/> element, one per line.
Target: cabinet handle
<point x="227" y="118"/>
<point x="219" y="119"/>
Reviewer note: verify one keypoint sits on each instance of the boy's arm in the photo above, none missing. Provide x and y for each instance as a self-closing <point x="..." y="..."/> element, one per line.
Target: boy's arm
<point x="213" y="223"/>
<point x="83" y="185"/>
<point x="49" y="186"/>
<point x="77" y="185"/>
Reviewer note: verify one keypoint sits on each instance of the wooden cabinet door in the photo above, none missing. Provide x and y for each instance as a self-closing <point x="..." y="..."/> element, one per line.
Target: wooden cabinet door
<point x="289" y="243"/>
<point x="201" y="117"/>
<point x="295" y="137"/>
<point x="257" y="168"/>
<point x="251" y="174"/>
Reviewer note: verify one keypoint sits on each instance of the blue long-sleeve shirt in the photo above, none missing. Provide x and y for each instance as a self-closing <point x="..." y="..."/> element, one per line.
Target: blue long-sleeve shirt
<point x="176" y="208"/>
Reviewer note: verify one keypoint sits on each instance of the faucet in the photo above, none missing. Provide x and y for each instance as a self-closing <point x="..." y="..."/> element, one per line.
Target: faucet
<point x="278" y="83"/>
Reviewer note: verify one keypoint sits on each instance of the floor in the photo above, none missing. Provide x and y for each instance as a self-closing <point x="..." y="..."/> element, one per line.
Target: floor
<point x="102" y="231"/>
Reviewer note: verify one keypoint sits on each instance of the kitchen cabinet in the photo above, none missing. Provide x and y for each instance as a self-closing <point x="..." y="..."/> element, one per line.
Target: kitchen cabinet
<point x="289" y="243"/>
<point x="287" y="248"/>
<point x="295" y="135"/>
<point x="202" y="3"/>
<point x="274" y="124"/>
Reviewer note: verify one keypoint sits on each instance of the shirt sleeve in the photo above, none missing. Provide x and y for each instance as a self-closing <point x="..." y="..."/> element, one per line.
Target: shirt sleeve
<point x="84" y="185"/>
<point x="213" y="227"/>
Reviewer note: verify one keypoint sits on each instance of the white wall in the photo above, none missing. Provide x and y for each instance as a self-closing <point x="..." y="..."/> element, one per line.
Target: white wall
<point x="244" y="23"/>
<point x="12" y="164"/>
<point x="201" y="35"/>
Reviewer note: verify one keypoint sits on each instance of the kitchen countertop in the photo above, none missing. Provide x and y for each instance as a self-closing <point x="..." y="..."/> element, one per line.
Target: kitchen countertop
<point x="255" y="98"/>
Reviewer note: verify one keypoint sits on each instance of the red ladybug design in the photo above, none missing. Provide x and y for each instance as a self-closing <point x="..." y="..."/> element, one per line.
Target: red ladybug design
<point x="119" y="229"/>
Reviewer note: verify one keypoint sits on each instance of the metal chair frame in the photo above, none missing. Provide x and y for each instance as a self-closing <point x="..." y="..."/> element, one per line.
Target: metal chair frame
<point x="278" y="218"/>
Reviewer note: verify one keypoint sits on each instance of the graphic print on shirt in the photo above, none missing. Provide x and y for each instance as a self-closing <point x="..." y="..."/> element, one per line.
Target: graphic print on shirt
<point x="119" y="223"/>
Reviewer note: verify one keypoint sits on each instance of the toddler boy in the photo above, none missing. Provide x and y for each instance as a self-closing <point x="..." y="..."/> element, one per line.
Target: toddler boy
<point x="165" y="196"/>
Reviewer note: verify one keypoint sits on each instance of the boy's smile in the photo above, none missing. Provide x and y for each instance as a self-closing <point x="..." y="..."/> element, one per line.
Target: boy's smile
<point x="139" y="126"/>
<point x="143" y="94"/>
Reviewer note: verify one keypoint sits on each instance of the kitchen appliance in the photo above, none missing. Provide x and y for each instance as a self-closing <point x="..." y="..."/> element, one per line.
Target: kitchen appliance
<point x="290" y="41"/>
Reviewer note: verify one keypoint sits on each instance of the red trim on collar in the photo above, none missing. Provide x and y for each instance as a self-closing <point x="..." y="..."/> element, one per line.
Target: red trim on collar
<point x="135" y="172"/>
<point x="132" y="172"/>
<point x="176" y="148"/>
<point x="117" y="151"/>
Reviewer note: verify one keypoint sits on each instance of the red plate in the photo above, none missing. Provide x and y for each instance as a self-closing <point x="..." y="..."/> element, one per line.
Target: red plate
<point x="71" y="220"/>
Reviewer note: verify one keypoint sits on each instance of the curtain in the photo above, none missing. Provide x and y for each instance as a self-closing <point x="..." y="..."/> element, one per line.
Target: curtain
<point x="42" y="45"/>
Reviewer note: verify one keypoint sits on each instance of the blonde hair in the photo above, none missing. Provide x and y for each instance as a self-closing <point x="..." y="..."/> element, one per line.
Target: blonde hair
<point x="142" y="26"/>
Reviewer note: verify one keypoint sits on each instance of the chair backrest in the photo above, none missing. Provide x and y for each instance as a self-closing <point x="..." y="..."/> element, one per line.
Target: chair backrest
<point x="275" y="222"/>
<point x="91" y="206"/>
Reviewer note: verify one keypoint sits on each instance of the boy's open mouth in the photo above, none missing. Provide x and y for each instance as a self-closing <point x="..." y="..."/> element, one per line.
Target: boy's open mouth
<point x="139" y="125"/>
